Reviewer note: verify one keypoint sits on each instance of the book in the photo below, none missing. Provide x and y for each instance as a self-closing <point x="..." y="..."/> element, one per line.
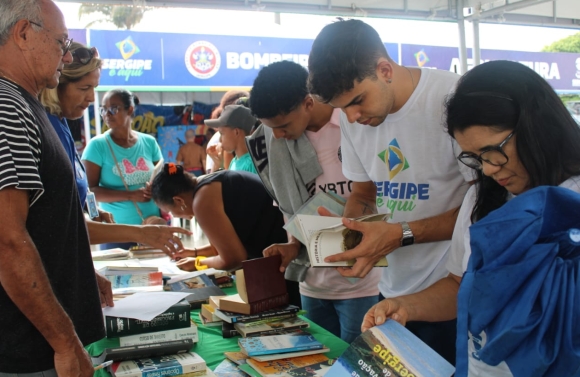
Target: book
<point x="176" y="317"/>
<point x="214" y="301"/>
<point x="161" y="336"/>
<point x="207" y="322"/>
<point x="236" y="357"/>
<point x="278" y="356"/>
<point x="228" y="369"/>
<point x="110" y="254"/>
<point x="280" y="367"/>
<point x="145" y="252"/>
<point x="145" y="279"/>
<point x="157" y="349"/>
<point x="329" y="200"/>
<point x="209" y="313"/>
<point x="228" y="330"/>
<point x="269" y="327"/>
<point x="199" y="286"/>
<point x="279" y="313"/>
<point x="326" y="236"/>
<point x="169" y="365"/>
<point x="314" y="370"/>
<point x="188" y="275"/>
<point x="390" y="350"/>
<point x="125" y="269"/>
<point x="261" y="285"/>
<point x="266" y="345"/>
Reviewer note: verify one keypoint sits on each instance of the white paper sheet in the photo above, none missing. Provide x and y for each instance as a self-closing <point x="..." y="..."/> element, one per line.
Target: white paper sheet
<point x="144" y="306"/>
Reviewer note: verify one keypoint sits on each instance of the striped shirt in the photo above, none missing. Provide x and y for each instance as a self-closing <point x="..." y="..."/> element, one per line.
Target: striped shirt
<point x="19" y="143"/>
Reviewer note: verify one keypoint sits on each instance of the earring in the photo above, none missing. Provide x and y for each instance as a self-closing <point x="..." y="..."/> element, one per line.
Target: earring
<point x="389" y="81"/>
<point x="183" y="207"/>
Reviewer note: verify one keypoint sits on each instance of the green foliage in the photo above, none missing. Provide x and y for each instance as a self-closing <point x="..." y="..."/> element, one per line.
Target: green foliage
<point x="568" y="44"/>
<point x="122" y="16"/>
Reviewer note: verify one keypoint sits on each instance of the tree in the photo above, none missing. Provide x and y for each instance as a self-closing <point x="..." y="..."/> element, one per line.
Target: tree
<point x="568" y="44"/>
<point x="122" y="16"/>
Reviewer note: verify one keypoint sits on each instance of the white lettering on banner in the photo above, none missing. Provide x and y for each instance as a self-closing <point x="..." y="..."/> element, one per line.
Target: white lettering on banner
<point x="248" y="60"/>
<point x="127" y="64"/>
<point x="548" y="71"/>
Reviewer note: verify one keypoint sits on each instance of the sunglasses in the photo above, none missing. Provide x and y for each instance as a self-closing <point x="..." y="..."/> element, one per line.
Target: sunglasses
<point x="83" y="55"/>
<point x="113" y="110"/>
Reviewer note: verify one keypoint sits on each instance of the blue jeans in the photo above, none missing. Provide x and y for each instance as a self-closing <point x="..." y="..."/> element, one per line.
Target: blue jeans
<point x="46" y="373"/>
<point x="342" y="318"/>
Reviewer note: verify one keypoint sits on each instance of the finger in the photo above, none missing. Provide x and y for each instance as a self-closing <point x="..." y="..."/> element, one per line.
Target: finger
<point x="368" y="320"/>
<point x="322" y="211"/>
<point x="343" y="257"/>
<point x="354" y="225"/>
<point x="176" y="229"/>
<point x="358" y="270"/>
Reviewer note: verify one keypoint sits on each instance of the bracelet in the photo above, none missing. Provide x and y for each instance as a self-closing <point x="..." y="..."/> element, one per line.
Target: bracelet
<point x="198" y="265"/>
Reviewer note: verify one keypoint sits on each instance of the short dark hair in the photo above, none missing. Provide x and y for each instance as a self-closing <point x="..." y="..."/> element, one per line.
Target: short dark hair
<point x="124" y="95"/>
<point x="344" y="52"/>
<point x="279" y="89"/>
<point x="169" y="182"/>
<point x="507" y="95"/>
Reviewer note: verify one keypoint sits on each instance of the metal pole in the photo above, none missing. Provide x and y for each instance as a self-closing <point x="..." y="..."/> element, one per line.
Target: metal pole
<point x="462" y="44"/>
<point x="98" y="129"/>
<point x="476" y="47"/>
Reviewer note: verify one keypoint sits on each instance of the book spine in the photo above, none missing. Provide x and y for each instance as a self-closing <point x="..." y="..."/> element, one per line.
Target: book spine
<point x="269" y="303"/>
<point x="160" y="336"/>
<point x="175" y="370"/>
<point x="286" y="330"/>
<point x="266" y="315"/>
<point x="274" y="351"/>
<point x="177" y="317"/>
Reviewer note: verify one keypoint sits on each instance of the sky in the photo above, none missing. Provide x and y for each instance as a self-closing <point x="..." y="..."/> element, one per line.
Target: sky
<point x="257" y="23"/>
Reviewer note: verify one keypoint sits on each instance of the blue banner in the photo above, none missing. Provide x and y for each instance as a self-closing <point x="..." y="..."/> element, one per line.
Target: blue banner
<point x="143" y="61"/>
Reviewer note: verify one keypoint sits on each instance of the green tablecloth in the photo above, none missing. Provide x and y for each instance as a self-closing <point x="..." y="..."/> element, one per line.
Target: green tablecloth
<point x="211" y="345"/>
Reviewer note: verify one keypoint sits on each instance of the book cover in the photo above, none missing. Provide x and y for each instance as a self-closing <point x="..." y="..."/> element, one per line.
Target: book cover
<point x="161" y="336"/>
<point x="176" y="317"/>
<point x="146" y="279"/>
<point x="200" y="287"/>
<point x="314" y="370"/>
<point x="261" y="284"/>
<point x="390" y="350"/>
<point x="266" y="345"/>
<point x="329" y="200"/>
<point x="169" y="365"/>
<point x="231" y="317"/>
<point x="268" y="326"/>
<point x="144" y="351"/>
<point x="228" y="369"/>
<point x="280" y="367"/>
<point x="326" y="236"/>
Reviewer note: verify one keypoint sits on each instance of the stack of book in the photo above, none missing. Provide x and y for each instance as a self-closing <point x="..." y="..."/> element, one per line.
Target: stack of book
<point x="129" y="280"/>
<point x="173" y="324"/>
<point x="270" y="322"/>
<point x="183" y="364"/>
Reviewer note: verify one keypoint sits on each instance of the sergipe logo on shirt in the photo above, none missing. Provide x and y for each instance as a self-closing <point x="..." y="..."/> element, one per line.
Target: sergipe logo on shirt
<point x="398" y="196"/>
<point x="394" y="159"/>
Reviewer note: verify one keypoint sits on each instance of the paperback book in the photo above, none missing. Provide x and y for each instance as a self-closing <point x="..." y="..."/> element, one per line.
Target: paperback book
<point x="157" y="349"/>
<point x="110" y="254"/>
<point x="326" y="236"/>
<point x="200" y="288"/>
<point x="161" y="336"/>
<point x="390" y="350"/>
<point x="314" y="370"/>
<point x="269" y="327"/>
<point x="281" y="367"/>
<point x="170" y="365"/>
<point x="266" y="345"/>
<point x="146" y="279"/>
<point x="281" y="313"/>
<point x="228" y="369"/>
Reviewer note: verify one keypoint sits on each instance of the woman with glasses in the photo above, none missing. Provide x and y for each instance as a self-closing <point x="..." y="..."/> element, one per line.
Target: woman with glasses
<point x="517" y="135"/>
<point x="74" y="93"/>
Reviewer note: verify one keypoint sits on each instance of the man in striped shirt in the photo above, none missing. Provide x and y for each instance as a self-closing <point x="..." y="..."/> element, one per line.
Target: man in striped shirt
<point x="49" y="296"/>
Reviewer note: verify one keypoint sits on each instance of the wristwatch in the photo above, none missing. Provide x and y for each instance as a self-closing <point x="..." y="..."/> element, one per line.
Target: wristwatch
<point x="408" y="237"/>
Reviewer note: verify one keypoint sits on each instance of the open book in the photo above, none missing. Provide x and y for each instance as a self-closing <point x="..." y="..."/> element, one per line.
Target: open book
<point x="326" y="236"/>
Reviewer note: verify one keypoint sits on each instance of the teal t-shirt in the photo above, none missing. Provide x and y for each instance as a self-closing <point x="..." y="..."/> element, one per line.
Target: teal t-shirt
<point x="244" y="162"/>
<point x="137" y="165"/>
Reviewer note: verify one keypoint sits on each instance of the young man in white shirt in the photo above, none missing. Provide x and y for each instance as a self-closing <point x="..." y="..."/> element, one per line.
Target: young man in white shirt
<point x="400" y="159"/>
<point x="280" y="100"/>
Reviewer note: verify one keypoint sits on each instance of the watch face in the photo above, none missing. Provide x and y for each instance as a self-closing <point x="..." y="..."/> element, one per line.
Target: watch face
<point x="408" y="241"/>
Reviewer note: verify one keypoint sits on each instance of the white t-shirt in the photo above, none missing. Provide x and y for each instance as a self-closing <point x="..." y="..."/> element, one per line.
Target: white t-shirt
<point x="457" y="265"/>
<point x="215" y="139"/>
<point x="412" y="160"/>
<point x="327" y="283"/>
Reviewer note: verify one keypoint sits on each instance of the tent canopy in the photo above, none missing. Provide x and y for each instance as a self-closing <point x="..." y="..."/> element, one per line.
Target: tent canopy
<point x="551" y="13"/>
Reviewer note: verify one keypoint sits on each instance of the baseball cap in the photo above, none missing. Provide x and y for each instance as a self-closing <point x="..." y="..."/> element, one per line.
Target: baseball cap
<point x="234" y="116"/>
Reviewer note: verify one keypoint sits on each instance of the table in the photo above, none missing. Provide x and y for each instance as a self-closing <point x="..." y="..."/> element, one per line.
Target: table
<point x="211" y="345"/>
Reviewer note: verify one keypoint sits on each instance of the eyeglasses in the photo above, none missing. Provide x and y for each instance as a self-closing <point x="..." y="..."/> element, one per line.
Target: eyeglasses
<point x="64" y="45"/>
<point x="83" y="55"/>
<point x="113" y="110"/>
<point x="493" y="155"/>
